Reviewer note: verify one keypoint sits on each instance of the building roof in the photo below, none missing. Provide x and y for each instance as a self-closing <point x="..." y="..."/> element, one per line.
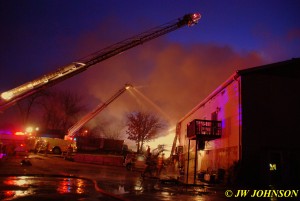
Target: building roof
<point x="284" y="68"/>
<point x="278" y="68"/>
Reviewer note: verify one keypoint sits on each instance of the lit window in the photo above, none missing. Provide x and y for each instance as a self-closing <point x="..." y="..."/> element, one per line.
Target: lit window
<point x="272" y="167"/>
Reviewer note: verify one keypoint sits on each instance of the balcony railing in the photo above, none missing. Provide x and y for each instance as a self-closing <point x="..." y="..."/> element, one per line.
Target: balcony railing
<point x="204" y="129"/>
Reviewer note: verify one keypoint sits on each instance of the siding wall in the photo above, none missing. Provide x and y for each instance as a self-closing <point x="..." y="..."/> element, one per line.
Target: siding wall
<point x="219" y="153"/>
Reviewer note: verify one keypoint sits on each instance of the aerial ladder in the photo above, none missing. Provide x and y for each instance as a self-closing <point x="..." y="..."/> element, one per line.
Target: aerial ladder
<point x="72" y="130"/>
<point x="10" y="97"/>
<point x="177" y="133"/>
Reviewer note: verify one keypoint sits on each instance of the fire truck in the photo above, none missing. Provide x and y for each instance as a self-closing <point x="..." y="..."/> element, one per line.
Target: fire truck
<point x="53" y="145"/>
<point x="12" y="144"/>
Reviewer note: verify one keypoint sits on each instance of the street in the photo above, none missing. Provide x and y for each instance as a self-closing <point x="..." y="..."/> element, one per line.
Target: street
<point x="111" y="181"/>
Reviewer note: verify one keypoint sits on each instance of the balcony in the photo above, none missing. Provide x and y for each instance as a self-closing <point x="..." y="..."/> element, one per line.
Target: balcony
<point x="204" y="129"/>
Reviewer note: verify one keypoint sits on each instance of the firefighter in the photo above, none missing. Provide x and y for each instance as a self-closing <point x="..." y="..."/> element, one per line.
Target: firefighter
<point x="151" y="166"/>
<point x="47" y="148"/>
<point x="160" y="163"/>
<point x="69" y="152"/>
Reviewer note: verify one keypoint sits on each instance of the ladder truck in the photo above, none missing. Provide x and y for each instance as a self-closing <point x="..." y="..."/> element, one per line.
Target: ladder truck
<point x="59" y="146"/>
<point x="10" y="97"/>
<point x="72" y="131"/>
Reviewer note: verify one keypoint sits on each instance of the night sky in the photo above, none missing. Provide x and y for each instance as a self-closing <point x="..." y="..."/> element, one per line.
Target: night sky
<point x="175" y="71"/>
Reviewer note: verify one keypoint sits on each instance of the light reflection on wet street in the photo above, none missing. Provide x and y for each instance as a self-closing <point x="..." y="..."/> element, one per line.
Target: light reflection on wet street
<point x="154" y="189"/>
<point x="50" y="187"/>
<point x="52" y="178"/>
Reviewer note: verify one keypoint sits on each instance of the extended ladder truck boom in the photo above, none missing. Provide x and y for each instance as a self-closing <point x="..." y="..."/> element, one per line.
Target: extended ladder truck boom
<point x="72" y="131"/>
<point x="10" y="97"/>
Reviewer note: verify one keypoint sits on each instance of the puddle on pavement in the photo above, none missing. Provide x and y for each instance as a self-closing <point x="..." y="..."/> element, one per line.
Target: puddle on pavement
<point x="22" y="186"/>
<point x="157" y="190"/>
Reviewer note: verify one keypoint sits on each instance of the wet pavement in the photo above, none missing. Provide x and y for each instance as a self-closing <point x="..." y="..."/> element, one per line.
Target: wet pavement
<point x="47" y="188"/>
<point x="99" y="182"/>
<point x="154" y="189"/>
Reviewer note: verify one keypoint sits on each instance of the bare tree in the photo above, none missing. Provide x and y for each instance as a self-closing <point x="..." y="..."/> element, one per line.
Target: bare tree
<point x="142" y="127"/>
<point x="61" y="109"/>
<point x="27" y="104"/>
